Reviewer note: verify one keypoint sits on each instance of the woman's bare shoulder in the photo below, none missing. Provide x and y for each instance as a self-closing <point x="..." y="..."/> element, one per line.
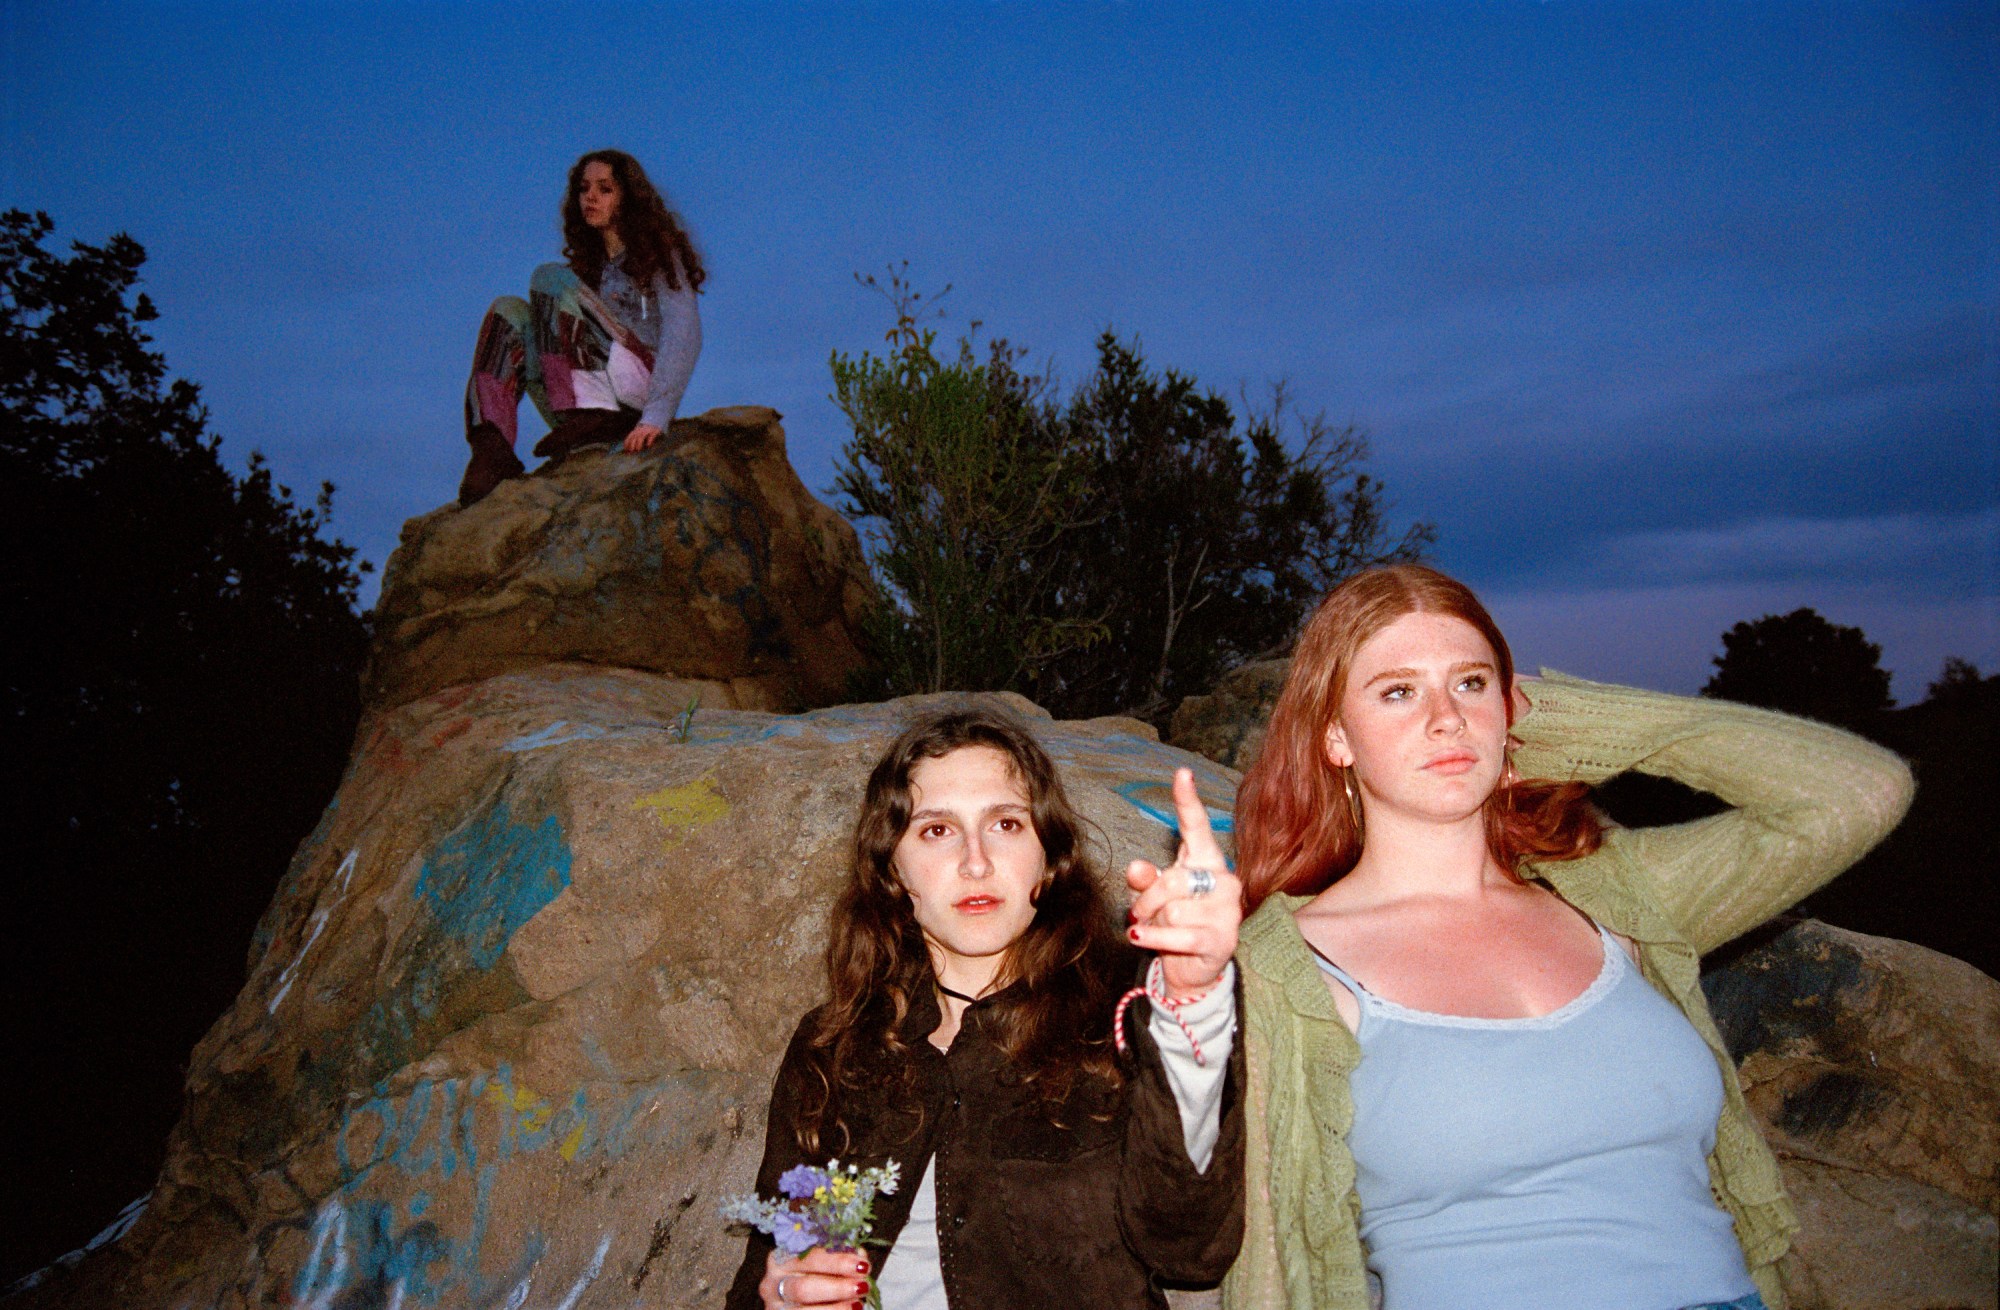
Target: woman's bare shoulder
<point x="1331" y="925"/>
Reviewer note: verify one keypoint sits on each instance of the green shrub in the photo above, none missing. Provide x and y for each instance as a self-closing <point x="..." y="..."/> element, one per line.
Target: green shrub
<point x="965" y="490"/>
<point x="1109" y="554"/>
<point x="1213" y="533"/>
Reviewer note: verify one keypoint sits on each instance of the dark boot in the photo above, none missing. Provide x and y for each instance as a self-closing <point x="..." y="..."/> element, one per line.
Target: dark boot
<point x="493" y="462"/>
<point x="585" y="427"/>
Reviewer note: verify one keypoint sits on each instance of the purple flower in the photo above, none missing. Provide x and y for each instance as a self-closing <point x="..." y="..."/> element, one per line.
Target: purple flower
<point x="801" y="1181"/>
<point x="831" y="1206"/>
<point x="796" y="1234"/>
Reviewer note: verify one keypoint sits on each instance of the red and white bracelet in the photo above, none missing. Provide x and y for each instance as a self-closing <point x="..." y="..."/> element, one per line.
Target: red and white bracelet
<point x="1155" y="991"/>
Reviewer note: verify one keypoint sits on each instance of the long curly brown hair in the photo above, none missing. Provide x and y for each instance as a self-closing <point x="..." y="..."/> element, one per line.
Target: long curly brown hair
<point x="655" y="239"/>
<point x="1295" y="831"/>
<point x="1051" y="1008"/>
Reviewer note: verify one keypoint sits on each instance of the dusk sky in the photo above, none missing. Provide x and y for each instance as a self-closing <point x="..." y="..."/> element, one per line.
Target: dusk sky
<point x="1666" y="315"/>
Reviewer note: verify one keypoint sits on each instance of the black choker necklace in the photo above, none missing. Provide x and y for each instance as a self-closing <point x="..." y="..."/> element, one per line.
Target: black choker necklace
<point x="969" y="1000"/>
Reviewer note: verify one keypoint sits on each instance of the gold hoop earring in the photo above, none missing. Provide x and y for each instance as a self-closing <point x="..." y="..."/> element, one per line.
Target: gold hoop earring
<point x="1353" y="796"/>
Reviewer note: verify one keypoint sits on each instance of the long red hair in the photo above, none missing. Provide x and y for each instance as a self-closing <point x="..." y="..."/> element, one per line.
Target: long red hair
<point x="1295" y="831"/>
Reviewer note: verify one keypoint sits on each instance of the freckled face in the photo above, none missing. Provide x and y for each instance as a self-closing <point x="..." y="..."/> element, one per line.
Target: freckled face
<point x="971" y="861"/>
<point x="1423" y="721"/>
<point x="599" y="195"/>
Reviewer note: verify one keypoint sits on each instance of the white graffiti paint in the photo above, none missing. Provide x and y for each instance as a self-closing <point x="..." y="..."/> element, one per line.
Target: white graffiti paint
<point x="329" y="1231"/>
<point x="116" y="1229"/>
<point x="120" y="1226"/>
<point x="560" y="733"/>
<point x="518" y="1297"/>
<point x="587" y="1277"/>
<point x="342" y="876"/>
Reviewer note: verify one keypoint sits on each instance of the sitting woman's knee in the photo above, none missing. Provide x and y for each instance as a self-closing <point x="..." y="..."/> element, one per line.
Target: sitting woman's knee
<point x="511" y="310"/>
<point x="552" y="280"/>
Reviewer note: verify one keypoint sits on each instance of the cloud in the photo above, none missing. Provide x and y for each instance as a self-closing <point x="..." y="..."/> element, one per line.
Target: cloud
<point x="1931" y="553"/>
<point x="1694" y="372"/>
<point x="1927" y="381"/>
<point x="1793" y="454"/>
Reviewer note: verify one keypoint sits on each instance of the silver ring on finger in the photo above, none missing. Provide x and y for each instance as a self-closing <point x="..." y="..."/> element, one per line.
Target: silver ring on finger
<point x="784" y="1297"/>
<point x="1200" y="882"/>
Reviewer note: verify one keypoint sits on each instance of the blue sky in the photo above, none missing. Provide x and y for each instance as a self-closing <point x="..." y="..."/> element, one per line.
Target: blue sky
<point x="1666" y="315"/>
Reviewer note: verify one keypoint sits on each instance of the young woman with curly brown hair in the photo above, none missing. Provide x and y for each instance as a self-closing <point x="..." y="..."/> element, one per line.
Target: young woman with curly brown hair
<point x="973" y="975"/>
<point x="605" y="343"/>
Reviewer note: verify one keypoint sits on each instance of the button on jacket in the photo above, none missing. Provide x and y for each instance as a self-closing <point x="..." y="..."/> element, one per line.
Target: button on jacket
<point x="1097" y="1213"/>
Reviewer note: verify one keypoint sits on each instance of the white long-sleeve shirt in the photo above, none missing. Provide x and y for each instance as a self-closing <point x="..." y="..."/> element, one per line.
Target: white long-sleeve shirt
<point x="668" y="321"/>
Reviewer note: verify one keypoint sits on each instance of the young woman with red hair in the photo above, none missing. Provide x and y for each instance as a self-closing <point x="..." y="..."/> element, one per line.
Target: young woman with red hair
<point x="1480" y="1068"/>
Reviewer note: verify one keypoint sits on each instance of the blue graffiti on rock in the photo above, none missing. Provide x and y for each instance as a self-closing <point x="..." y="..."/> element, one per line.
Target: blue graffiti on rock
<point x="491" y="876"/>
<point x="1155" y="800"/>
<point x="479" y="886"/>
<point x="380" y="1243"/>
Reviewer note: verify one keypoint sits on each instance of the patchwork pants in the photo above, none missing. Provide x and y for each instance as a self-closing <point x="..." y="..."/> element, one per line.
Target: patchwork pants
<point x="563" y="346"/>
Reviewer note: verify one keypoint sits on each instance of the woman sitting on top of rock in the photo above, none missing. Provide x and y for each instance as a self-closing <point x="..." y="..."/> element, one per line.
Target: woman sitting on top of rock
<point x="974" y="973"/>
<point x="605" y="343"/>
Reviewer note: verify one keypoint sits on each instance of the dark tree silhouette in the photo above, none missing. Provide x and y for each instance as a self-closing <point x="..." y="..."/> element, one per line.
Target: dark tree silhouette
<point x="1213" y="533"/>
<point x="1932" y="881"/>
<point x="180" y="685"/>
<point x="1802" y="664"/>
<point x="1957" y="683"/>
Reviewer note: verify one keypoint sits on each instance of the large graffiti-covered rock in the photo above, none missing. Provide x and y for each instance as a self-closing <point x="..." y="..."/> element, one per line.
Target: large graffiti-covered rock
<point x="1874" y="1066"/>
<point x="706" y="560"/>
<point x="511" y="1020"/>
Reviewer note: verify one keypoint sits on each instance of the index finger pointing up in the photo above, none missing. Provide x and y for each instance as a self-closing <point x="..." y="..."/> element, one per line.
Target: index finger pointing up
<point x="1197" y="838"/>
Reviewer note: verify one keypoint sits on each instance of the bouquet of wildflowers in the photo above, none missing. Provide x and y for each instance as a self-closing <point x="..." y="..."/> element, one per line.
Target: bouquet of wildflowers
<point x="832" y="1207"/>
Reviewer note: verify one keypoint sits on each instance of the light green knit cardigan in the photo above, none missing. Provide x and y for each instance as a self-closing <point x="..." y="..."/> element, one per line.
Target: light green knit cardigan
<point x="1808" y="801"/>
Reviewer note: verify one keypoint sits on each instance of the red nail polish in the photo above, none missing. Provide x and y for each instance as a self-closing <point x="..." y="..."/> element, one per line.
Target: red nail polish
<point x="861" y="1267"/>
<point x="861" y="1289"/>
<point x="1132" y="933"/>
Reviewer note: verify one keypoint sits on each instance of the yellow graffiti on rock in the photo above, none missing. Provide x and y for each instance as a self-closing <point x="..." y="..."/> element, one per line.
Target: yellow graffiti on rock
<point x="682" y="809"/>
<point x="534" y="1111"/>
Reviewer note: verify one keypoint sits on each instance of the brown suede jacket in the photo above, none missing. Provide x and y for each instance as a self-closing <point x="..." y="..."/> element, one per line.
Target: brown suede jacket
<point x="1099" y="1213"/>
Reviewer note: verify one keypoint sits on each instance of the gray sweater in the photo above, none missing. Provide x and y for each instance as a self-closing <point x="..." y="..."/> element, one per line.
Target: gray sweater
<point x="664" y="318"/>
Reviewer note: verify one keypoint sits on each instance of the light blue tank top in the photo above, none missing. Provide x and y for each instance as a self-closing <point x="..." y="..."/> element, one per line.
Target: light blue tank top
<point x="1519" y="1164"/>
